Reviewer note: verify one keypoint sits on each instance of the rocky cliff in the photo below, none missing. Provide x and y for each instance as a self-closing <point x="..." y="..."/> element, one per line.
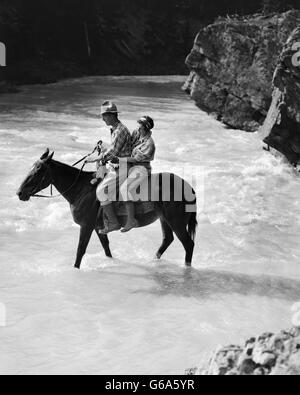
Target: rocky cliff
<point x="267" y="354"/>
<point x="281" y="128"/>
<point x="232" y="65"/>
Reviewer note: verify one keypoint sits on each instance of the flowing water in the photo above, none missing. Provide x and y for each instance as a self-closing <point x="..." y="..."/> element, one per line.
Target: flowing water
<point x="134" y="315"/>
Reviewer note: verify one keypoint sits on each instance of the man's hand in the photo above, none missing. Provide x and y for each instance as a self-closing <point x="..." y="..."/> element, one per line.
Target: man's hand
<point x="94" y="159"/>
<point x="94" y="181"/>
<point x="115" y="161"/>
<point x="101" y="162"/>
<point x="99" y="147"/>
<point x="89" y="160"/>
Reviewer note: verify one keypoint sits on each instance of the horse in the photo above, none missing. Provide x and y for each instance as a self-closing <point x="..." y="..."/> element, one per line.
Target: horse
<point x="74" y="185"/>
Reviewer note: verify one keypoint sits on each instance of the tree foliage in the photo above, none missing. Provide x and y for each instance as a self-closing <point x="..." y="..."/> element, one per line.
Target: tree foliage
<point x="125" y="36"/>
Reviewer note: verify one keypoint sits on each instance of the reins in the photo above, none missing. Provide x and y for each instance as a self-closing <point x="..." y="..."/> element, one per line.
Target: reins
<point x="97" y="148"/>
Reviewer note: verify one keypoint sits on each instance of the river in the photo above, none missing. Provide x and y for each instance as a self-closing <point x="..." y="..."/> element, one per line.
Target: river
<point x="134" y="315"/>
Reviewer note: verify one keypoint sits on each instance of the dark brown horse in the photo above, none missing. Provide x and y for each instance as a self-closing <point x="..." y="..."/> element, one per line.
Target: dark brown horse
<point x="75" y="187"/>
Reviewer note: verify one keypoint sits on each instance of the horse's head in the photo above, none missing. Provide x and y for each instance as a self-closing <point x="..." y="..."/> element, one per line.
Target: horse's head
<point x="38" y="179"/>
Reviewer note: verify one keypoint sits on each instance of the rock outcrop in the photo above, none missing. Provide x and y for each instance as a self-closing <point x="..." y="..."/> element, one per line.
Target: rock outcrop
<point x="268" y="354"/>
<point x="282" y="125"/>
<point x="232" y="66"/>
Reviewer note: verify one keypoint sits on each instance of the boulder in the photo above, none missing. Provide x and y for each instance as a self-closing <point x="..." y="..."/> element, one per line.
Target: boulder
<point x="264" y="355"/>
<point x="281" y="129"/>
<point x="232" y="65"/>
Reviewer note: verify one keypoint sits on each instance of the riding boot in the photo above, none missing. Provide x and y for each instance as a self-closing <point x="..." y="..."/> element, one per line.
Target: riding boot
<point x="131" y="221"/>
<point x="111" y="221"/>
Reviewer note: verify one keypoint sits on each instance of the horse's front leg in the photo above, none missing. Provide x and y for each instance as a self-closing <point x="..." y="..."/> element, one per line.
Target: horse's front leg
<point x="105" y="244"/>
<point x="84" y="239"/>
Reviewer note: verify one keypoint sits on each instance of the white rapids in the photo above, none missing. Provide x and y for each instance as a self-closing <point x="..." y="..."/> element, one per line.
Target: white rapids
<point x="134" y="315"/>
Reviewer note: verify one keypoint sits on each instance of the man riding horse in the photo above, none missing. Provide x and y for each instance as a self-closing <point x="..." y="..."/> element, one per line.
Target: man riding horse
<point x="134" y="154"/>
<point x="121" y="147"/>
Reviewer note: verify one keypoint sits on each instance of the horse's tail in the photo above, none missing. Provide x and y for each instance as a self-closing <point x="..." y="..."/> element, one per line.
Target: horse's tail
<point x="193" y="223"/>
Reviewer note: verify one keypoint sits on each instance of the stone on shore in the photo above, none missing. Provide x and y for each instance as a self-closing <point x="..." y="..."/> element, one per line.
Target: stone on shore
<point x="268" y="354"/>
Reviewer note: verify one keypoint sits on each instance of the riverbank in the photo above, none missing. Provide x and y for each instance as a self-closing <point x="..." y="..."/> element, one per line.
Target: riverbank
<point x="35" y="71"/>
<point x="6" y="87"/>
<point x="268" y="354"/>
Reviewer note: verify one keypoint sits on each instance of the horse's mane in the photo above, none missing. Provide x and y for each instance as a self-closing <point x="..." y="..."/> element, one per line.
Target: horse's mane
<point x="72" y="168"/>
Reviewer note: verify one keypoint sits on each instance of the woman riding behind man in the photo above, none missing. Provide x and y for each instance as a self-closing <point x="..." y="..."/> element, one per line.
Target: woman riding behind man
<point x="143" y="153"/>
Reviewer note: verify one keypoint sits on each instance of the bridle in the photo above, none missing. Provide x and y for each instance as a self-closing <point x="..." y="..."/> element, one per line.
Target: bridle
<point x="37" y="195"/>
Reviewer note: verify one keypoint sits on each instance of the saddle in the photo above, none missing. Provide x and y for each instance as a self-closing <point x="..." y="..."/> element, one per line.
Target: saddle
<point x="141" y="208"/>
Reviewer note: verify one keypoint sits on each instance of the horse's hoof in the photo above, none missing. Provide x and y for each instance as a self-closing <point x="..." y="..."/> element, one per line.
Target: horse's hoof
<point x="77" y="267"/>
<point x="188" y="264"/>
<point x="157" y="257"/>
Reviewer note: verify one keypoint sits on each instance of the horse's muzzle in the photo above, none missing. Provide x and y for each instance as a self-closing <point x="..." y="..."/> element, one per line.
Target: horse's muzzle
<point x="24" y="197"/>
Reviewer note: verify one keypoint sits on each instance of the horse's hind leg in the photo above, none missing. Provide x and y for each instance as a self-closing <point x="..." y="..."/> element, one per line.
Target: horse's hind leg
<point x="187" y="242"/>
<point x="85" y="237"/>
<point x="105" y="244"/>
<point x="168" y="239"/>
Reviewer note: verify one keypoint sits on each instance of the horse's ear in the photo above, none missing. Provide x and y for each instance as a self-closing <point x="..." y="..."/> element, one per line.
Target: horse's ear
<point x="45" y="155"/>
<point x="50" y="157"/>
